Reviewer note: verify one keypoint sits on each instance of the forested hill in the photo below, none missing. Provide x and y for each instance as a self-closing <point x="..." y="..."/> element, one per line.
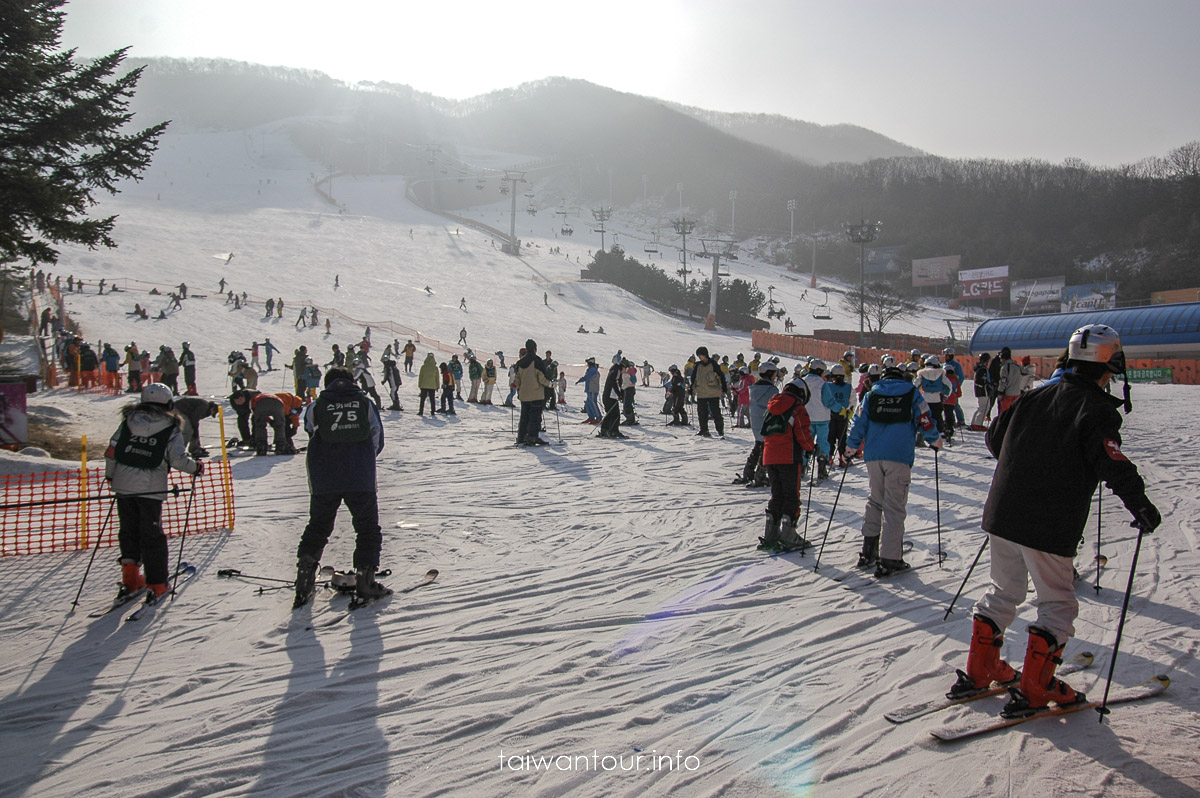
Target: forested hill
<point x="1137" y="224"/>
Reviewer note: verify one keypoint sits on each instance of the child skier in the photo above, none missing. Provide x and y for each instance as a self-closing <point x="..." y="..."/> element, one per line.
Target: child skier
<point x="787" y="440"/>
<point x="148" y="444"/>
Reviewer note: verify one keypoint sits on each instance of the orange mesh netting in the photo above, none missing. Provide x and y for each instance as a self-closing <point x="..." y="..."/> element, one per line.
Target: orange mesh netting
<point x="72" y="525"/>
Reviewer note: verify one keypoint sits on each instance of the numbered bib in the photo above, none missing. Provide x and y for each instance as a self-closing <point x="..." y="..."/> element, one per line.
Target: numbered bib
<point x="141" y="451"/>
<point x="344" y="421"/>
<point x="883" y="409"/>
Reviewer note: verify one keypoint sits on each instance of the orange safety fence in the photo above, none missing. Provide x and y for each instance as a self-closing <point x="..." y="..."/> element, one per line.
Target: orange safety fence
<point x="72" y="525"/>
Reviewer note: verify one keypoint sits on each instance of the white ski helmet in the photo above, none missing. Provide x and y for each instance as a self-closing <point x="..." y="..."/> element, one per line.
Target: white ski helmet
<point x="816" y="365"/>
<point x="911" y="367"/>
<point x="801" y="388"/>
<point x="1097" y="343"/>
<point x="888" y="362"/>
<point x="837" y="370"/>
<point x="874" y="370"/>
<point x="932" y="360"/>
<point x="157" y="394"/>
<point x="767" y="368"/>
<point x="948" y="352"/>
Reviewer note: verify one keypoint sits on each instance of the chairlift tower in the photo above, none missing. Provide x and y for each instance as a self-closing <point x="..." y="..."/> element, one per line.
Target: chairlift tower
<point x="862" y="234"/>
<point x="513" y="177"/>
<point x="721" y="248"/>
<point x="602" y="215"/>
<point x="683" y="227"/>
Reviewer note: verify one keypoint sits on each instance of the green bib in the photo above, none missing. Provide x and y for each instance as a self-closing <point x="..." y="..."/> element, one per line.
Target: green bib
<point x="145" y="452"/>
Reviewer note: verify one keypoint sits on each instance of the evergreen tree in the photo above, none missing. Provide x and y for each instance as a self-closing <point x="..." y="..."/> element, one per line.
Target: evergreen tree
<point x="61" y="135"/>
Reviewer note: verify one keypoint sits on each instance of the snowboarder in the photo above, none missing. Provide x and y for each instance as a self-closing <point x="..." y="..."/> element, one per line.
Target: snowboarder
<point x="345" y="437"/>
<point x="147" y="445"/>
<point x="1053" y="446"/>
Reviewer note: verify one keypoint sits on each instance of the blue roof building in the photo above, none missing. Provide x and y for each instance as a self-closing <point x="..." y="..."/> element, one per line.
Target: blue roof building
<point x="1154" y="331"/>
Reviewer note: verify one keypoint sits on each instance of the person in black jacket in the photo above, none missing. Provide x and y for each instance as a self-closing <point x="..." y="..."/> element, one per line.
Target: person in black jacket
<point x="610" y="424"/>
<point x="985" y="392"/>
<point x="345" y="437"/>
<point x="1054" y="445"/>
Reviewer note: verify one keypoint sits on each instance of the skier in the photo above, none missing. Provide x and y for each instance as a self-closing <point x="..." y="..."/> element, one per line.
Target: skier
<point x="266" y="408"/>
<point x="239" y="400"/>
<point x="193" y="410"/>
<point x="818" y="414"/>
<point x="934" y="386"/>
<point x="147" y="445"/>
<point x="345" y="437"/>
<point x="628" y="393"/>
<point x="984" y="392"/>
<point x="167" y="366"/>
<point x="787" y="441"/>
<point x="531" y="390"/>
<point x="591" y="388"/>
<point x="1053" y="446"/>
<point x="268" y="349"/>
<point x="835" y="395"/>
<point x="677" y="397"/>
<point x="462" y="336"/>
<point x="489" y="382"/>
<point x="1010" y="380"/>
<point x="410" y="349"/>
<point x="610" y="424"/>
<point x="708" y="385"/>
<point x="457" y="370"/>
<point x="187" y="361"/>
<point x="761" y="393"/>
<point x="952" y="366"/>
<point x="475" y="374"/>
<point x="427" y="382"/>
<point x="883" y="429"/>
<point x="391" y="378"/>
<point x="462" y="304"/>
<point x="254" y="356"/>
<point x="447" y="376"/>
<point x="362" y="375"/>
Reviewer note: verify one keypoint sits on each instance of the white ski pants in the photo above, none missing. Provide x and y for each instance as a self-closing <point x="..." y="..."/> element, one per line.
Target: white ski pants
<point x="1013" y="565"/>
<point x="887" y="506"/>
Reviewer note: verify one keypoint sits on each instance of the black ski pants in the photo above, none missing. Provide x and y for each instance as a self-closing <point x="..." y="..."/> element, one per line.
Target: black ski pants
<point x="611" y="422"/>
<point x="710" y="407"/>
<point x="785" y="491"/>
<point x="364" y="513"/>
<point x="531" y="420"/>
<point x="141" y="536"/>
<point x="753" y="461"/>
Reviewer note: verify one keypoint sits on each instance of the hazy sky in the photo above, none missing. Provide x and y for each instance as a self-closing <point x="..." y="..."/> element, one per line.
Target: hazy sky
<point x="1109" y="81"/>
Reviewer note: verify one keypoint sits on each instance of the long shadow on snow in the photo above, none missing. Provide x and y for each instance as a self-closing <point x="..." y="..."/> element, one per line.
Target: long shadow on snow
<point x="324" y="737"/>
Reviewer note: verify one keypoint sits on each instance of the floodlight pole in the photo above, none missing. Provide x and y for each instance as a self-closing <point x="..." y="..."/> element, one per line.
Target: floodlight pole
<point x="862" y="234"/>
<point x="732" y="213"/>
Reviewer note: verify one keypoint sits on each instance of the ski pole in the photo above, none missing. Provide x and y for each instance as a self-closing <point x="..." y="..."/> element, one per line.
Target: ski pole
<point x="970" y="571"/>
<point x="831" y="512"/>
<point x="183" y="536"/>
<point x="1103" y="708"/>
<point x="558" y="422"/>
<point x="96" y="548"/>
<point x="808" y="505"/>
<point x="1099" y="518"/>
<point x="937" y="500"/>
<point x="230" y="573"/>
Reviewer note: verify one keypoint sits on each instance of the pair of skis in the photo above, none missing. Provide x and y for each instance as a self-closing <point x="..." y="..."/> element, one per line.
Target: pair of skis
<point x="982" y="724"/>
<point x="358" y="602"/>
<point x="185" y="572"/>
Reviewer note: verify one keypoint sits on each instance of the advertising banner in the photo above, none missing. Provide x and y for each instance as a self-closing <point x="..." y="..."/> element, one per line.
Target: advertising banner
<point x="1164" y="375"/>
<point x="1043" y="295"/>
<point x="1092" y="296"/>
<point x="935" y="271"/>
<point x="14" y="427"/>
<point x="983" y="283"/>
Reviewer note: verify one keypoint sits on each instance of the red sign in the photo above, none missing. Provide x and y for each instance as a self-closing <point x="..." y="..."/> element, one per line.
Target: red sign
<point x="983" y="289"/>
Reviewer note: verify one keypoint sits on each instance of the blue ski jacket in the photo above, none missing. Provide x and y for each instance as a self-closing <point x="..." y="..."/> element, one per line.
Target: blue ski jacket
<point x="895" y="442"/>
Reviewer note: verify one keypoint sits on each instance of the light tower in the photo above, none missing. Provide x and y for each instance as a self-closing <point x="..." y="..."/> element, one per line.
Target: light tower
<point x="720" y="247"/>
<point x="732" y="213"/>
<point x="862" y="234"/>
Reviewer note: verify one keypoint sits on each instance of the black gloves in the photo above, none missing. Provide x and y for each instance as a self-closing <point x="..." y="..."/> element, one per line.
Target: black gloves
<point x="1146" y="516"/>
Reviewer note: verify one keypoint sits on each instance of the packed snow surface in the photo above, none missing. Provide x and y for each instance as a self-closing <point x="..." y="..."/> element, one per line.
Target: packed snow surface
<point x="602" y="624"/>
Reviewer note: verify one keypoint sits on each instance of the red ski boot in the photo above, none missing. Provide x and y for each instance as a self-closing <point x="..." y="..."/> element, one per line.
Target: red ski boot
<point x="984" y="665"/>
<point x="131" y="577"/>
<point x="1038" y="685"/>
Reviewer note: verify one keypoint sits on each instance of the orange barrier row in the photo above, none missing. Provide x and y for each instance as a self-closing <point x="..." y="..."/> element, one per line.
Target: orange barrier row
<point x="76" y="525"/>
<point x="1185" y="372"/>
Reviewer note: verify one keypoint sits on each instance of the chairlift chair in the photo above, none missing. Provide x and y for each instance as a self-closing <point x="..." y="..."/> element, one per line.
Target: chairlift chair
<point x="822" y="311"/>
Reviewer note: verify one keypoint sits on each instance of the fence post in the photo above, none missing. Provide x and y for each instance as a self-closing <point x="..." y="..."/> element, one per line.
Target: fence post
<point x="83" y="491"/>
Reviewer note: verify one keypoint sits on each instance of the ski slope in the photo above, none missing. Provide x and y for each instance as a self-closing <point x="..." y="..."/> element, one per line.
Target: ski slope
<point x="598" y="600"/>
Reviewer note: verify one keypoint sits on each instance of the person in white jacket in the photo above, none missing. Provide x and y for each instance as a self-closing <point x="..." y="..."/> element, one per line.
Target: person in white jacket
<point x="934" y="385"/>
<point x="148" y="444"/>
<point x="818" y="414"/>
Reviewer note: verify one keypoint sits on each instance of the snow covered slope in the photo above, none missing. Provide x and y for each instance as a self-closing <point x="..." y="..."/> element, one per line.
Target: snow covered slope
<point x="598" y="602"/>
